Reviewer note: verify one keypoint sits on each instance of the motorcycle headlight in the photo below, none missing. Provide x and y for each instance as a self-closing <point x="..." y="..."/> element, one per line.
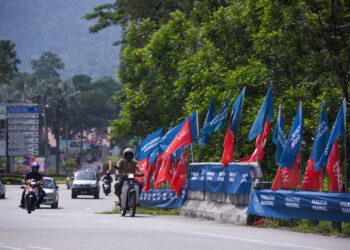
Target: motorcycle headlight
<point x="131" y="176"/>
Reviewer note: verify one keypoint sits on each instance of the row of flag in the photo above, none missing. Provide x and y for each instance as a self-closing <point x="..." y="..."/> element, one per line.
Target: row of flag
<point x="163" y="157"/>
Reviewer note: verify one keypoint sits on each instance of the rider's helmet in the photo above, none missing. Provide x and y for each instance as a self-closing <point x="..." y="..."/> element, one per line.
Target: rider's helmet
<point x="128" y="153"/>
<point x="35" y="165"/>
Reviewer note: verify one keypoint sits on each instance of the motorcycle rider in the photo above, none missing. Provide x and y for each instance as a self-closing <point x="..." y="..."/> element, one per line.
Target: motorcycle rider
<point x="108" y="178"/>
<point x="39" y="178"/>
<point x="125" y="166"/>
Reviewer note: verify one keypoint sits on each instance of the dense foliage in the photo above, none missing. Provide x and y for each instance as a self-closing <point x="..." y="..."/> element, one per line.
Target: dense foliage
<point x="177" y="57"/>
<point x="8" y="61"/>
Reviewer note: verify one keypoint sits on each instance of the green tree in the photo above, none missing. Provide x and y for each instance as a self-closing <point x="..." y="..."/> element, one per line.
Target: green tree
<point x="47" y="66"/>
<point x="8" y="61"/>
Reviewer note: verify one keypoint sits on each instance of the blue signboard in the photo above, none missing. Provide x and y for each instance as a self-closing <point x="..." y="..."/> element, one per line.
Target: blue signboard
<point x="213" y="177"/>
<point x="300" y="205"/>
<point x="162" y="198"/>
<point x="22" y="109"/>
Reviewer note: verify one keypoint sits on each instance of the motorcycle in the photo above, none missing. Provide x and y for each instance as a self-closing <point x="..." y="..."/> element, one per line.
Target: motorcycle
<point x="106" y="187"/>
<point x="130" y="195"/>
<point x="31" y="195"/>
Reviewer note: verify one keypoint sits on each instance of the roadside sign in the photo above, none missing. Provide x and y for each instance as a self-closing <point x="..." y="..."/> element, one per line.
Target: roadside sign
<point x="22" y="129"/>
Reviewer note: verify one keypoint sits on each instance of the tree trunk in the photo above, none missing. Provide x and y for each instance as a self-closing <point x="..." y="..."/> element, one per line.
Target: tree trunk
<point x="66" y="141"/>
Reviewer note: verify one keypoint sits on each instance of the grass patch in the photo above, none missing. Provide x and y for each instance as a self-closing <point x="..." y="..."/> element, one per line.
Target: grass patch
<point x="150" y="211"/>
<point x="305" y="226"/>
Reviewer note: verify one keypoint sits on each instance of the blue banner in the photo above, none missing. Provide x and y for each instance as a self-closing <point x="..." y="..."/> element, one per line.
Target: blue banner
<point x="213" y="177"/>
<point x="162" y="198"/>
<point x="300" y="205"/>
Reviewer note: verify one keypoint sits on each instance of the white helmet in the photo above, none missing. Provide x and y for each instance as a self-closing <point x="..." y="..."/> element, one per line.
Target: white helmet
<point x="128" y="150"/>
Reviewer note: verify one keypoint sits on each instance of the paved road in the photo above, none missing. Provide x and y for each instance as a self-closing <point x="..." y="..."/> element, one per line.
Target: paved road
<point x="75" y="225"/>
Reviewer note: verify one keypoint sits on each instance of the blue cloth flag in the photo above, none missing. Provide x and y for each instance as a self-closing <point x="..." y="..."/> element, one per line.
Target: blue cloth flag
<point x="265" y="114"/>
<point x="237" y="111"/>
<point x="321" y="137"/>
<point x="279" y="136"/>
<point x="145" y="148"/>
<point x="204" y="137"/>
<point x="293" y="145"/>
<point x="218" y="121"/>
<point x="337" y="131"/>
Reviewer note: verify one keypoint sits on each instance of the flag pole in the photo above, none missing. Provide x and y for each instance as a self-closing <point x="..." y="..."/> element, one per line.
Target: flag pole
<point x="281" y="169"/>
<point x="345" y="150"/>
<point x="192" y="152"/>
<point x="239" y="124"/>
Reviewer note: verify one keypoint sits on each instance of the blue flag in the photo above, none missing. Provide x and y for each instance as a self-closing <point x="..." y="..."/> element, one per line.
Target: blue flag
<point x="293" y="145"/>
<point x="279" y="136"/>
<point x="337" y="131"/>
<point x="145" y="148"/>
<point x="265" y="114"/>
<point x="237" y="111"/>
<point x="204" y="137"/>
<point x="321" y="137"/>
<point x="218" y="121"/>
<point x="194" y="125"/>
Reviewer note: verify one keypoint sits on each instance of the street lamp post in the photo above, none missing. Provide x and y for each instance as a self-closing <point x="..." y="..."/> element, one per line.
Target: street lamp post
<point x="46" y="133"/>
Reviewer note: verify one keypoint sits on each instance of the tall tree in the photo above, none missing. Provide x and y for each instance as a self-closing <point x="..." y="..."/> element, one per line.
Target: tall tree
<point x="47" y="66"/>
<point x="8" y="61"/>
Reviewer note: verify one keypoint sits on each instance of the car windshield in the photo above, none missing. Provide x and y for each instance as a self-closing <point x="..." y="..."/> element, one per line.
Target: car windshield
<point x="48" y="183"/>
<point x="85" y="176"/>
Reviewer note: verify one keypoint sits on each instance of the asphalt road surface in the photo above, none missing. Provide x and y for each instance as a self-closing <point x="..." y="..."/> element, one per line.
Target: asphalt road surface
<point x="75" y="225"/>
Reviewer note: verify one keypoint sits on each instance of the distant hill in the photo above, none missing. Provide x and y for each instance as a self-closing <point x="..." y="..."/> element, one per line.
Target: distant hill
<point x="36" y="26"/>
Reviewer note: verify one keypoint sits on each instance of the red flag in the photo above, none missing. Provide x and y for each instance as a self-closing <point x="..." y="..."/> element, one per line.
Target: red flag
<point x="334" y="170"/>
<point x="312" y="179"/>
<point x="179" y="176"/>
<point x="157" y="168"/>
<point x="260" y="143"/>
<point x="165" y="173"/>
<point x="149" y="174"/>
<point x="182" y="139"/>
<point x="288" y="179"/>
<point x="228" y="154"/>
<point x="143" y="165"/>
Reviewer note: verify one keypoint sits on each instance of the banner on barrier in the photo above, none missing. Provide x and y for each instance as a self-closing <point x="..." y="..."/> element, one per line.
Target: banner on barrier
<point x="213" y="177"/>
<point x="300" y="205"/>
<point x="162" y="198"/>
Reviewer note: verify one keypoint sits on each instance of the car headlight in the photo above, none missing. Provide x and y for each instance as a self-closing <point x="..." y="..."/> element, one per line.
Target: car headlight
<point x="75" y="185"/>
<point x="93" y="185"/>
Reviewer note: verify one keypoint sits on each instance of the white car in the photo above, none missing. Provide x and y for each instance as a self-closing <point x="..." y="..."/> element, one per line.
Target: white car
<point x="51" y="192"/>
<point x="2" y="190"/>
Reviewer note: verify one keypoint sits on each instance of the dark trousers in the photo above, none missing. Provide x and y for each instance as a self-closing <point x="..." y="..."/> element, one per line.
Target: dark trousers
<point x="41" y="196"/>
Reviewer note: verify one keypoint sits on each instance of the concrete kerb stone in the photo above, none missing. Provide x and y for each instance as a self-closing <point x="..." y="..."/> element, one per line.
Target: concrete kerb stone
<point x="220" y="212"/>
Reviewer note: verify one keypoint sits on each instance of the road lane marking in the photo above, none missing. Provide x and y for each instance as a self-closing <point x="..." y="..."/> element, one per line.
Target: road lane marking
<point x="260" y="241"/>
<point x="104" y="221"/>
<point x="12" y="248"/>
<point x="43" y="248"/>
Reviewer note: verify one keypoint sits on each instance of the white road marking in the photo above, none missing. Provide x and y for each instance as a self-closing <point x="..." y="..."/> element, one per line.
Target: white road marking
<point x="281" y="244"/>
<point x="104" y="221"/>
<point x="12" y="248"/>
<point x="43" y="248"/>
